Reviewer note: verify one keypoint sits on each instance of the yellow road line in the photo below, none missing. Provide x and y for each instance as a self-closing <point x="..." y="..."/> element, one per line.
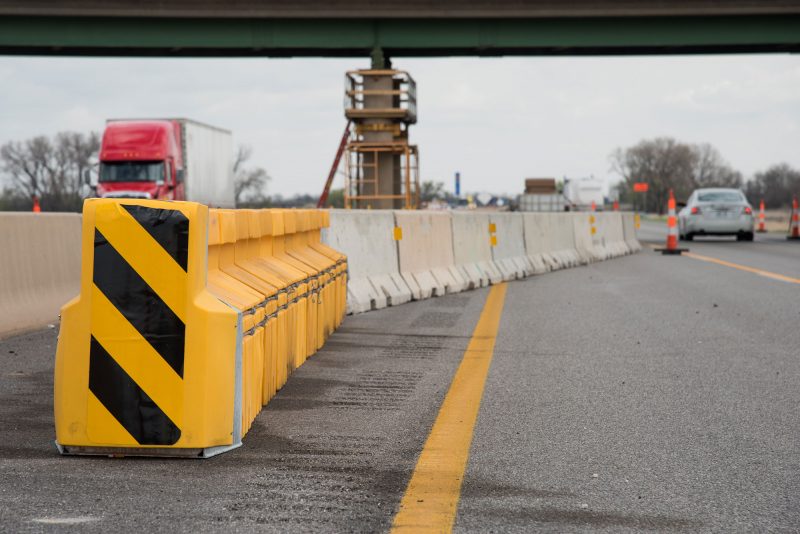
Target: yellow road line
<point x="431" y="498"/>
<point x="760" y="272"/>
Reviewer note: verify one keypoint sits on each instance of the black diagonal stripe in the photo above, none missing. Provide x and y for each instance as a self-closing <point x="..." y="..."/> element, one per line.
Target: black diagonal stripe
<point x="170" y="228"/>
<point x="127" y="402"/>
<point x="138" y="303"/>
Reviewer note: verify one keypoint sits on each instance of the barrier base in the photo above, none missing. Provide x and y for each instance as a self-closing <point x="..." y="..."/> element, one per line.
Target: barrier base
<point x="672" y="251"/>
<point x="120" y="452"/>
<point x="761" y="231"/>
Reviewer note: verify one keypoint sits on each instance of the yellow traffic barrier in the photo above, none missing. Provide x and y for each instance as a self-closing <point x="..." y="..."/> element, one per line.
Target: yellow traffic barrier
<point x="188" y="321"/>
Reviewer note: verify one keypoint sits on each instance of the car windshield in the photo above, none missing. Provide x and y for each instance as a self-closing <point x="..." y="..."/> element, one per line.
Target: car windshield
<point x="720" y="196"/>
<point x="132" y="171"/>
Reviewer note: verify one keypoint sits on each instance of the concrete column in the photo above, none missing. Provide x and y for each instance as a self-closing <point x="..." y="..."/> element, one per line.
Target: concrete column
<point x="388" y="170"/>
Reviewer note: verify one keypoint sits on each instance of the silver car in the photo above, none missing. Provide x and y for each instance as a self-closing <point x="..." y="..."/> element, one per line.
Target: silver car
<point x="716" y="212"/>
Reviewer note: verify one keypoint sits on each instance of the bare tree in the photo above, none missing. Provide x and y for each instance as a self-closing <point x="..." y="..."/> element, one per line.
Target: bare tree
<point x="776" y="186"/>
<point x="664" y="164"/>
<point x="430" y="190"/>
<point x="713" y="171"/>
<point x="48" y="169"/>
<point x="249" y="183"/>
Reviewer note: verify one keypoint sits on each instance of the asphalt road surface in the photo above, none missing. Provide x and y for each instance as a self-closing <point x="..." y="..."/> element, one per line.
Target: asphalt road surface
<point x="645" y="393"/>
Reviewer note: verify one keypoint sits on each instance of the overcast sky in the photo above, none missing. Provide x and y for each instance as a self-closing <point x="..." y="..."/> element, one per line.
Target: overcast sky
<point x="496" y="120"/>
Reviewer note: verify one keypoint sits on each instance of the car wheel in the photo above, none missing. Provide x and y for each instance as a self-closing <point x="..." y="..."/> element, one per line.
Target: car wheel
<point x="748" y="236"/>
<point x="689" y="237"/>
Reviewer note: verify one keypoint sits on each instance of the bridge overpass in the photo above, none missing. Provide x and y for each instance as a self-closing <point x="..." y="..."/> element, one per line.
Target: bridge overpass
<point x="395" y="28"/>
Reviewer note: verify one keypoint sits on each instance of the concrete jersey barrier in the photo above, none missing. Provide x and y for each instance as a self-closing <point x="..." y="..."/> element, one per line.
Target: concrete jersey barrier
<point x="629" y="232"/>
<point x="367" y="238"/>
<point x="610" y="230"/>
<point x="39" y="267"/>
<point x="472" y="249"/>
<point x="563" y="241"/>
<point x="582" y="223"/>
<point x="508" y="251"/>
<point x="425" y="251"/>
<point x="538" y="242"/>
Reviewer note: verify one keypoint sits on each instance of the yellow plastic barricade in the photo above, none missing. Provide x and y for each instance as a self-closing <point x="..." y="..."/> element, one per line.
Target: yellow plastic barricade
<point x="188" y="321"/>
<point x="147" y="356"/>
<point x="259" y="246"/>
<point x="318" y="220"/>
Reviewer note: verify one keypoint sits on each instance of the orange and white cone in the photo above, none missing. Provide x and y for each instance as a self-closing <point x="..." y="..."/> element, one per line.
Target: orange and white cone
<point x="762" y="226"/>
<point x="672" y="229"/>
<point x="36" y="207"/>
<point x="594" y="206"/>
<point x="616" y="205"/>
<point x="794" y="225"/>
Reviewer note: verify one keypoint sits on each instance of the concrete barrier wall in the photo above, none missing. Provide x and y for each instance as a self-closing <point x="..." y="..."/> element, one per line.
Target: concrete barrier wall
<point x="584" y="244"/>
<point x="426" y="256"/>
<point x="629" y="232"/>
<point x="439" y="252"/>
<point x="562" y="238"/>
<point x="472" y="249"/>
<point x="446" y="252"/>
<point x="609" y="230"/>
<point x="368" y="239"/>
<point x="550" y="241"/>
<point x="508" y="252"/>
<point x="539" y="242"/>
<point x="39" y="267"/>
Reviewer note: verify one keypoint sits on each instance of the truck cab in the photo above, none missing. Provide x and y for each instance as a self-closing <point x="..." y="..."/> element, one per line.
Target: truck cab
<point x="141" y="159"/>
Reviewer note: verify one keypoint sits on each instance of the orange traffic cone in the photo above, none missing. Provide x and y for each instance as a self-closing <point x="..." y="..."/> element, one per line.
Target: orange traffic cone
<point x="594" y="206"/>
<point x="616" y="205"/>
<point x="672" y="230"/>
<point x="762" y="227"/>
<point x="794" y="225"/>
<point x="36" y="207"/>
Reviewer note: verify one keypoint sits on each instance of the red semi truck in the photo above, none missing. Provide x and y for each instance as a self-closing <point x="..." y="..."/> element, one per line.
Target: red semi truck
<point x="166" y="159"/>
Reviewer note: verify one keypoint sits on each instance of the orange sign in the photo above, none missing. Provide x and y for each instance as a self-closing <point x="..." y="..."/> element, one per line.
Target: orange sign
<point x="640" y="187"/>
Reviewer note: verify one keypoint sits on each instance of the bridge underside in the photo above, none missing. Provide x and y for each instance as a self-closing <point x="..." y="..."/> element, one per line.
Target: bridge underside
<point x="396" y="37"/>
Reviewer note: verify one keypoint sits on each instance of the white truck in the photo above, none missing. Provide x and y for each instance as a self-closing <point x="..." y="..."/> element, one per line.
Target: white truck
<point x="582" y="192"/>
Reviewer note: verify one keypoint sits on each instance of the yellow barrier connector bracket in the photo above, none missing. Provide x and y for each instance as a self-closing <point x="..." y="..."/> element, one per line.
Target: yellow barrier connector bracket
<point x="148" y="360"/>
<point x="398" y="233"/>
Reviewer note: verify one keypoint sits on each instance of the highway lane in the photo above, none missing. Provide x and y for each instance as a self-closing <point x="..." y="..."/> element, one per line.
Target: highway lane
<point x="769" y="251"/>
<point x="674" y="381"/>
<point x="650" y="392"/>
<point x="332" y="452"/>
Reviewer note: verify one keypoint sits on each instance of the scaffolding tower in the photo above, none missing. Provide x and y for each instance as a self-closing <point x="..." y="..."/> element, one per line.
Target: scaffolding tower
<point x="381" y="167"/>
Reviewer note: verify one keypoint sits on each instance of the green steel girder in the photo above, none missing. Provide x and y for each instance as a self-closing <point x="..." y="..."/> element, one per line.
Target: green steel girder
<point x="397" y="37"/>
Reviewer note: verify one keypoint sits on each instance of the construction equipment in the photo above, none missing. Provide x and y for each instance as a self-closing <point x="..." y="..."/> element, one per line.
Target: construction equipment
<point x="382" y="169"/>
<point x="323" y="198"/>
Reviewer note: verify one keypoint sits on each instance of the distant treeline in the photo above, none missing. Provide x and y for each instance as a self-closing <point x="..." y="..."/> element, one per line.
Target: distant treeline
<point x="51" y="168"/>
<point x="664" y="163"/>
